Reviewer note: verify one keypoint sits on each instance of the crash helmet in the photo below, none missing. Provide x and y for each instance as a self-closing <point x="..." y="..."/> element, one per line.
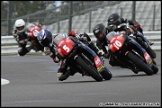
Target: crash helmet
<point x="99" y="31"/>
<point x="20" y="25"/>
<point x="114" y="19"/>
<point x="45" y="37"/>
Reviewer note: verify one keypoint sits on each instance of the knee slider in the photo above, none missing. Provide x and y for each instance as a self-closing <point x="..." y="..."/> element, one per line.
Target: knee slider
<point x="22" y="51"/>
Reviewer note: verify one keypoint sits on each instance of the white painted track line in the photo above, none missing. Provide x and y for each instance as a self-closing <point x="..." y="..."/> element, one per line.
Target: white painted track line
<point x="4" y="81"/>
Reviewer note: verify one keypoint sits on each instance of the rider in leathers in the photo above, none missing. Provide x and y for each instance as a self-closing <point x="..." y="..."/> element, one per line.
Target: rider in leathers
<point x="22" y="34"/>
<point x="114" y="20"/>
<point x="45" y="38"/>
<point x="100" y="32"/>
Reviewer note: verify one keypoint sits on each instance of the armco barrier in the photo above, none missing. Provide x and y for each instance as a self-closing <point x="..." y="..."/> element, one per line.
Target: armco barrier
<point x="9" y="45"/>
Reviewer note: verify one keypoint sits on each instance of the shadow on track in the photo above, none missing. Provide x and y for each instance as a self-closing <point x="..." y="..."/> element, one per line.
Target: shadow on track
<point x="73" y="82"/>
<point x="135" y="75"/>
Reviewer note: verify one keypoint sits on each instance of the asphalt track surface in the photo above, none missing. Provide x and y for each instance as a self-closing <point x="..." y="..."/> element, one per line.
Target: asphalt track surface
<point x="34" y="83"/>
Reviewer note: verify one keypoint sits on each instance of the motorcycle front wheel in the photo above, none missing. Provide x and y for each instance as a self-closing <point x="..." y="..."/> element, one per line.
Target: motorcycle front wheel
<point x="106" y="74"/>
<point x="89" y="69"/>
<point x="140" y="63"/>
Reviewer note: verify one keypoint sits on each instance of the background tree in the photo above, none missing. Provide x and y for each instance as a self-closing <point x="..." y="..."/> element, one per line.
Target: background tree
<point x="20" y="8"/>
<point x="11" y="10"/>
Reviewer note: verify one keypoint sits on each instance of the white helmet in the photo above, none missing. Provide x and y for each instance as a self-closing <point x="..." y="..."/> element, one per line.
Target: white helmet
<point x="20" y="25"/>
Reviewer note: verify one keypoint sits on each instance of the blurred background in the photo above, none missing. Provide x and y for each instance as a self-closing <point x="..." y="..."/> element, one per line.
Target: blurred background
<point x="63" y="16"/>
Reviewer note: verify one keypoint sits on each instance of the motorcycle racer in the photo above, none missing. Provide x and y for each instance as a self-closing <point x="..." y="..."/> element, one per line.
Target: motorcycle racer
<point x="115" y="20"/>
<point x="100" y="33"/>
<point x="45" y="38"/>
<point x="23" y="33"/>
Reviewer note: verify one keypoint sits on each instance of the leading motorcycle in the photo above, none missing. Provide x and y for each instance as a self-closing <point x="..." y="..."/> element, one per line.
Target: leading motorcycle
<point x="80" y="57"/>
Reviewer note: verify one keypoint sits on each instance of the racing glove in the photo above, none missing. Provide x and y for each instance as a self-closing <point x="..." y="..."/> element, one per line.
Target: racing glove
<point x="47" y="50"/>
<point x="16" y="37"/>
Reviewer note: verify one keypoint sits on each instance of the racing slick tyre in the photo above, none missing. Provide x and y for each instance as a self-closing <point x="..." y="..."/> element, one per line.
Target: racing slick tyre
<point x="89" y="69"/>
<point x="106" y="74"/>
<point x="140" y="63"/>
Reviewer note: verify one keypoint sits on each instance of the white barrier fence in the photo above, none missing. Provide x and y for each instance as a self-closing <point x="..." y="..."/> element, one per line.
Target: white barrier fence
<point x="9" y="45"/>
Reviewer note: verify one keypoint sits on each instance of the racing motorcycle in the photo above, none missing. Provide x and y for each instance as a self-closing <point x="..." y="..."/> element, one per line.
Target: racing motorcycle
<point x="33" y="33"/>
<point x="129" y="54"/>
<point x="80" y="57"/>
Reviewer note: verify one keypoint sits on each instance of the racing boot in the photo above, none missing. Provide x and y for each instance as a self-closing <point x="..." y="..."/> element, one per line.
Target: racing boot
<point x="151" y="52"/>
<point x="63" y="72"/>
<point x="150" y="42"/>
<point x="146" y="47"/>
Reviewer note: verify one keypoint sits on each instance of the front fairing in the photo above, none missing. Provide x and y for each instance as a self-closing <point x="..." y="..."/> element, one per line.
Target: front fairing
<point x="58" y="38"/>
<point x="116" y="41"/>
<point x="111" y="34"/>
<point x="64" y="44"/>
